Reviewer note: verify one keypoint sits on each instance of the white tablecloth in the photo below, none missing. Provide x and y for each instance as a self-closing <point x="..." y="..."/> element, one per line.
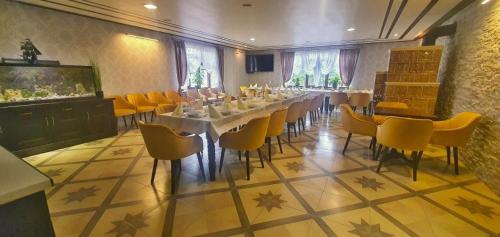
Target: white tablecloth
<point x="327" y="92"/>
<point x="216" y="127"/>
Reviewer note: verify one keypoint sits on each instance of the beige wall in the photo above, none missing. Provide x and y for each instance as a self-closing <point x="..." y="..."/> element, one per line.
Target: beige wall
<point x="274" y="78"/>
<point x="472" y="83"/>
<point x="127" y="64"/>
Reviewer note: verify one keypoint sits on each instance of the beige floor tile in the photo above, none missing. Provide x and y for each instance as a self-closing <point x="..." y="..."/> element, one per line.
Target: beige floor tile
<point x="439" y="168"/>
<point x="257" y="174"/>
<point x="144" y="165"/>
<point x="403" y="174"/>
<point x="132" y="190"/>
<point x="39" y="158"/>
<point x="120" y="152"/>
<point x="59" y="173"/>
<point x="94" y="144"/>
<point x="362" y="222"/>
<point x="335" y="163"/>
<point x="270" y="202"/>
<point x="288" y="151"/>
<point x="484" y="190"/>
<point x="471" y="206"/>
<point x="132" y="132"/>
<point x="371" y="185"/>
<point x="363" y="156"/>
<point x="307" y="228"/>
<point x="324" y="193"/>
<point x="71" y="225"/>
<point x="296" y="167"/>
<point x="129" y="140"/>
<point x="136" y="220"/>
<point x="205" y="214"/>
<point x="70" y="156"/>
<point x="426" y="219"/>
<point x="80" y="195"/>
<point x="103" y="169"/>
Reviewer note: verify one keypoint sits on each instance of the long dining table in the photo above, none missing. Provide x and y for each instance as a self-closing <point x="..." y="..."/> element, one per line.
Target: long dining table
<point x="213" y="128"/>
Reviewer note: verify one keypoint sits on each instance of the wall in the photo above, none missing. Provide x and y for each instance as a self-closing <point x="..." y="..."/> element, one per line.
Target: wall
<point x="273" y="78"/>
<point x="471" y="82"/>
<point x="234" y="70"/>
<point x="127" y="64"/>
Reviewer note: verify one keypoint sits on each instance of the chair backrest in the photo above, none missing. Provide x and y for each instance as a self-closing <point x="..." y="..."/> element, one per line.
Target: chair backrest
<point x="205" y="91"/>
<point x="305" y="107"/>
<point x="356" y="123"/>
<point x="255" y="132"/>
<point x="120" y="103"/>
<point x="405" y="133"/>
<point x="157" y="97"/>
<point x="192" y="92"/>
<point x="215" y="91"/>
<point x="338" y="98"/>
<point x="173" y="96"/>
<point x="161" y="142"/>
<point x="460" y="127"/>
<point x="136" y="99"/>
<point x="360" y="99"/>
<point x="464" y="120"/>
<point x="276" y="122"/>
<point x="294" y="111"/>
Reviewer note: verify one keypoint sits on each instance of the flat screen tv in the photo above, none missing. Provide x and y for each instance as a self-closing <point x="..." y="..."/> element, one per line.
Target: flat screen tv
<point x="260" y="63"/>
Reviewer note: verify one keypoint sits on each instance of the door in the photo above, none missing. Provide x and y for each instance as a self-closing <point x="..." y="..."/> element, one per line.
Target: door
<point x="101" y="119"/>
<point x="68" y="121"/>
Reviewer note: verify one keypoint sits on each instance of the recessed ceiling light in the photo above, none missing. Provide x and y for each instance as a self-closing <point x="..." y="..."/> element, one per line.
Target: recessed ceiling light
<point x="351" y="29"/>
<point x="150" y="6"/>
<point x="485" y="1"/>
<point x="252" y="39"/>
<point x="246" y="5"/>
<point x="396" y="35"/>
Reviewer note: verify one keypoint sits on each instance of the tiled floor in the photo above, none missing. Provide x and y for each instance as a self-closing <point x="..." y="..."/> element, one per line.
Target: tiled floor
<point x="102" y="189"/>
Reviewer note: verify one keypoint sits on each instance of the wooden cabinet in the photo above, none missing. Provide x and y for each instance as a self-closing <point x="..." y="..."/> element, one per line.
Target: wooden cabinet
<point x="27" y="129"/>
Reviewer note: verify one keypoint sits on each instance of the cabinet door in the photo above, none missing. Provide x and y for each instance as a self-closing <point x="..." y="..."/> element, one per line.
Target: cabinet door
<point x="101" y="119"/>
<point x="68" y="121"/>
<point x="27" y="126"/>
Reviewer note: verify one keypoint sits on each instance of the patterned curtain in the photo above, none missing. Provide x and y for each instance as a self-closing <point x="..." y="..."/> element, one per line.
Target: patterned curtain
<point x="348" y="59"/>
<point x="180" y="62"/>
<point x="287" y="61"/>
<point x="220" y="57"/>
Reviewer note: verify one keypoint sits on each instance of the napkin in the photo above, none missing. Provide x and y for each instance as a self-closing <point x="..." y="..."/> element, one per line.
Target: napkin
<point x="268" y="98"/>
<point x="179" y="111"/>
<point x="241" y="105"/>
<point x="280" y="96"/>
<point x="227" y="99"/>
<point x="198" y="104"/>
<point x="213" y="113"/>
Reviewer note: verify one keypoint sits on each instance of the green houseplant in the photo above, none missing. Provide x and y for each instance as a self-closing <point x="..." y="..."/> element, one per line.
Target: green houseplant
<point x="198" y="77"/>
<point x="96" y="72"/>
<point x="335" y="80"/>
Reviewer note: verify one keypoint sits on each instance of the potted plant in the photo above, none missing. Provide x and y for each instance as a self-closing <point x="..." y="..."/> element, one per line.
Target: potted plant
<point x="335" y="80"/>
<point x="96" y="72"/>
<point x="198" y="77"/>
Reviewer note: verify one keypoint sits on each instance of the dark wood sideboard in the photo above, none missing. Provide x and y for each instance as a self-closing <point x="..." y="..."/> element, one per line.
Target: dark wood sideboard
<point x="28" y="128"/>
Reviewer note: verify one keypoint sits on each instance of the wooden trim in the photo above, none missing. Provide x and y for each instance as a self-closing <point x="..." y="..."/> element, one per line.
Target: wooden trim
<point x="426" y="10"/>
<point x="396" y="18"/>
<point x="389" y="7"/>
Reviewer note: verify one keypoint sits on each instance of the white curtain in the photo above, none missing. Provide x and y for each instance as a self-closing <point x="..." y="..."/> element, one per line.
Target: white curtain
<point x="198" y="54"/>
<point x="316" y="64"/>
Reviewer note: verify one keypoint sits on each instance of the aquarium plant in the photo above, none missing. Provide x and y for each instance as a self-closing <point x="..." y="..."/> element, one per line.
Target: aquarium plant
<point x="97" y="78"/>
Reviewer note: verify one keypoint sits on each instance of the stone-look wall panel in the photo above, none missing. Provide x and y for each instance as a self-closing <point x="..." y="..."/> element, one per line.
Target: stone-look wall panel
<point x="471" y="82"/>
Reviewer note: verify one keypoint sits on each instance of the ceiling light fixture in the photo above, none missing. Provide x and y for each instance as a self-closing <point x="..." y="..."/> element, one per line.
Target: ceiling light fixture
<point x="396" y="35"/>
<point x="351" y="29"/>
<point x="141" y="37"/>
<point x="246" y="5"/>
<point x="150" y="6"/>
<point x="485" y="1"/>
<point x="252" y="39"/>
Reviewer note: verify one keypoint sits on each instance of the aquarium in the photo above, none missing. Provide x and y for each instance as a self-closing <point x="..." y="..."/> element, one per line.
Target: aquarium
<point x="30" y="83"/>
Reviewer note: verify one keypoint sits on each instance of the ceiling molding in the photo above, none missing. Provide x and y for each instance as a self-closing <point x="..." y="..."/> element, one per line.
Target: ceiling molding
<point x="330" y="44"/>
<point x="419" y="17"/>
<point x="387" y="12"/>
<point x="396" y="18"/>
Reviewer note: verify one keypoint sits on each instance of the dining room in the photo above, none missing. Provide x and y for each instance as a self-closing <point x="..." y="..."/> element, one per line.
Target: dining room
<point x="249" y="118"/>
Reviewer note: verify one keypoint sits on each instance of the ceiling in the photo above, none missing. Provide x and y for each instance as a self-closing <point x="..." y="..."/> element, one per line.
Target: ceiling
<point x="274" y="24"/>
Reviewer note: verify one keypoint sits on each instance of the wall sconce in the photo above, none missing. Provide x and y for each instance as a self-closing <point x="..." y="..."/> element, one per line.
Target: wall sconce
<point x="141" y="37"/>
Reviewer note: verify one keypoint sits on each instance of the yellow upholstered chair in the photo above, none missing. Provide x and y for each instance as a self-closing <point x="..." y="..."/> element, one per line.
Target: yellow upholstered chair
<point x="405" y="134"/>
<point x="314" y="107"/>
<point x="123" y="109"/>
<point x="174" y="97"/>
<point x="207" y="94"/>
<point x="360" y="100"/>
<point x="306" y="104"/>
<point x="250" y="137"/>
<point x="242" y="91"/>
<point x="142" y="104"/>
<point x="164" y="144"/>
<point x="336" y="99"/>
<point x="357" y="124"/>
<point x="164" y="104"/>
<point x="275" y="128"/>
<point x="292" y="117"/>
<point x="454" y="133"/>
<point x="193" y="94"/>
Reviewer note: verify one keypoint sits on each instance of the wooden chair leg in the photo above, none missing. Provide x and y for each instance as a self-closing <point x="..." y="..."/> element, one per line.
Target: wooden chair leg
<point x="448" y="155"/>
<point x="140" y="116"/>
<point x="152" y="116"/>
<point x="247" y="156"/>
<point x="416" y="159"/>
<point x="173" y="176"/>
<point x="268" y="148"/>
<point x="303" y="124"/>
<point x="260" y="157"/>
<point x="364" y="110"/>
<point x="155" y="163"/>
<point x="295" y="129"/>
<point x="378" y="152"/>
<point x="239" y="155"/>
<point x="279" y="144"/>
<point x="135" y="121"/>
<point x="455" y="158"/>
<point x="288" y="133"/>
<point x="300" y="119"/>
<point x="125" y="121"/>
<point x="200" y="162"/>
<point x="383" y="159"/>
<point x="374" y="145"/>
<point x="222" y="158"/>
<point x="346" y="143"/>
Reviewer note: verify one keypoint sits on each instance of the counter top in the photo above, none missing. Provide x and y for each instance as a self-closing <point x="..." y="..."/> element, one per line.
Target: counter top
<point x="18" y="178"/>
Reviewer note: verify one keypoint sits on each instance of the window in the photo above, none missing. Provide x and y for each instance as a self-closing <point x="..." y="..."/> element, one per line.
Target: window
<point x="316" y="69"/>
<point x="202" y="65"/>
